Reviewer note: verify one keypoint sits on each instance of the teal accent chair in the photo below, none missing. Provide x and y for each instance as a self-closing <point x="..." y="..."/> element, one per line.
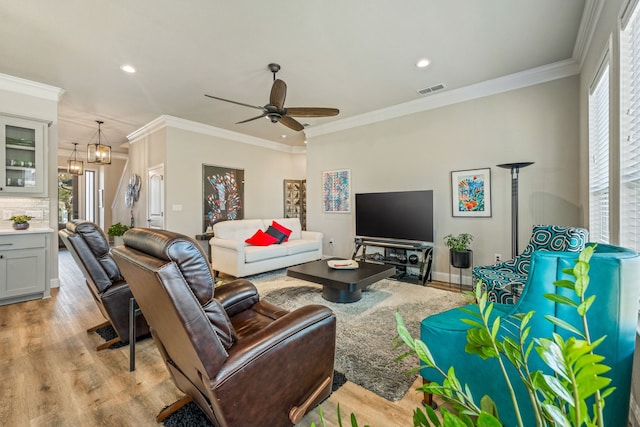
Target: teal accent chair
<point x="504" y="281"/>
<point x="614" y="279"/>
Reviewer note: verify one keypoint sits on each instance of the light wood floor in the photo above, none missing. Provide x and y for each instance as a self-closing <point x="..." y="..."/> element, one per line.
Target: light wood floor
<point x="53" y="376"/>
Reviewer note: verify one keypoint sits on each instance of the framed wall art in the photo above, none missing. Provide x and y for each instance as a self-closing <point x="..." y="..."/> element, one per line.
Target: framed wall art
<point x="336" y="191"/>
<point x="471" y="193"/>
<point x="222" y="195"/>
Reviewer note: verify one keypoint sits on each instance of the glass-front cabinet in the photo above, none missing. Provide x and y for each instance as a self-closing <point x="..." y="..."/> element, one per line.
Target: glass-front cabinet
<point x="22" y="156"/>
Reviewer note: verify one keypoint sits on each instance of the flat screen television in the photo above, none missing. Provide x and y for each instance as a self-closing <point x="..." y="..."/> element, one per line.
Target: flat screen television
<point x="399" y="215"/>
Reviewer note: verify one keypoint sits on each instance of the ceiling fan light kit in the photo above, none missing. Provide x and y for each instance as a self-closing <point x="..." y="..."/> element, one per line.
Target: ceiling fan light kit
<point x="275" y="110"/>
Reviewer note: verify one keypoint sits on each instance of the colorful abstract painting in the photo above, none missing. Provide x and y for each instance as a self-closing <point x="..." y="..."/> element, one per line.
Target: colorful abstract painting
<point x="471" y="192"/>
<point x="223" y="194"/>
<point x="336" y="193"/>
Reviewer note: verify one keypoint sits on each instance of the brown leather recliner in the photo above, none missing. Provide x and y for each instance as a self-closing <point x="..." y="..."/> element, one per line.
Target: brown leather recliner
<point x="243" y="361"/>
<point x="89" y="247"/>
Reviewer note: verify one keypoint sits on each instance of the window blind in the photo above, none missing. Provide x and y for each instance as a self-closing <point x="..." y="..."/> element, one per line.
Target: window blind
<point x="630" y="135"/>
<point x="599" y="157"/>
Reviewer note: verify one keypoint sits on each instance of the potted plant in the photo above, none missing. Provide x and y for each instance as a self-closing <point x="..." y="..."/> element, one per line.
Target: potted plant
<point x="20" y="222"/>
<point x="459" y="252"/>
<point x="116" y="231"/>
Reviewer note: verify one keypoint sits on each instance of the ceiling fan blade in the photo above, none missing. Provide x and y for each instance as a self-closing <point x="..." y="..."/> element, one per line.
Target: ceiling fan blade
<point x="253" y="118"/>
<point x="278" y="93"/>
<point x="291" y="123"/>
<point x="312" y="112"/>
<point x="234" y="102"/>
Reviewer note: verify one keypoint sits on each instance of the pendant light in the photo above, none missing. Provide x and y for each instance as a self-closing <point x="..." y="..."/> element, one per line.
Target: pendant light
<point x="75" y="166"/>
<point x="98" y="152"/>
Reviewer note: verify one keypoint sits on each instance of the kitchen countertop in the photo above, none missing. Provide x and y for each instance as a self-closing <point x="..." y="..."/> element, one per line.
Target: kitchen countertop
<point x="30" y="230"/>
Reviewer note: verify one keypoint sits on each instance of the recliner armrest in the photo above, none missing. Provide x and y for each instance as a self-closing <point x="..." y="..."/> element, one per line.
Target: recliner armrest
<point x="236" y="296"/>
<point x="293" y="327"/>
<point x="311" y="235"/>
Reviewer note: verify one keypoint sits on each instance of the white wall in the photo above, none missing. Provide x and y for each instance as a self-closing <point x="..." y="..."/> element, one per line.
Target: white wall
<point x="185" y="151"/>
<point x="418" y="152"/>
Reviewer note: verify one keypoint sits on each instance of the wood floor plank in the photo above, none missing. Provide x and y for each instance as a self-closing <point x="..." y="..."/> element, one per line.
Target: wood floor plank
<point x="53" y="376"/>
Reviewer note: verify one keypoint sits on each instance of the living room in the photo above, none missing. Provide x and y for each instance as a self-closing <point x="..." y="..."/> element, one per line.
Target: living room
<point x="538" y="115"/>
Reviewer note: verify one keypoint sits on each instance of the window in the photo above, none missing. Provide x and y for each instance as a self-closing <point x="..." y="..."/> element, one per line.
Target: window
<point x="599" y="156"/>
<point x="630" y="134"/>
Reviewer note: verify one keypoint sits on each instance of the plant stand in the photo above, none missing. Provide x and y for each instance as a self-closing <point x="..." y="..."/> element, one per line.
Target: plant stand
<point x="470" y="268"/>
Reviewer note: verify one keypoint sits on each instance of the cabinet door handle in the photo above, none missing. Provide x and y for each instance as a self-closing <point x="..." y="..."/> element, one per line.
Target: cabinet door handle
<point x="6" y="244"/>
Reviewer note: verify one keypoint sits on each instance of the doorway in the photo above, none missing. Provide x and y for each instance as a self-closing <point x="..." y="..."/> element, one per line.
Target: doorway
<point x="155" y="207"/>
<point x="67" y="199"/>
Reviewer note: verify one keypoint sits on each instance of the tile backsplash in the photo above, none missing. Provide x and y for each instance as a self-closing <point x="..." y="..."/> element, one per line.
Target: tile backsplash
<point x="38" y="208"/>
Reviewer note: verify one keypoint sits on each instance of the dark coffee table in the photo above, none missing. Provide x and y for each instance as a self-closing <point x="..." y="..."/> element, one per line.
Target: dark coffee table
<point x="341" y="285"/>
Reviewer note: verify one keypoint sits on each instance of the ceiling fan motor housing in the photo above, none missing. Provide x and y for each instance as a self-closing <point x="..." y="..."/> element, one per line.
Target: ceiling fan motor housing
<point x="274" y="117"/>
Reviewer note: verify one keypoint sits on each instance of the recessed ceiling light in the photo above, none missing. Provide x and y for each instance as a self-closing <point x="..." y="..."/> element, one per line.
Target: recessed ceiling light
<point x="128" y="68"/>
<point x="305" y="141"/>
<point x="283" y="136"/>
<point x="423" y="63"/>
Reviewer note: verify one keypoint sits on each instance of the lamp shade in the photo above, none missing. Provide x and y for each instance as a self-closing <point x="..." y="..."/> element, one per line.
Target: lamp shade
<point x="97" y="152"/>
<point x="75" y="166"/>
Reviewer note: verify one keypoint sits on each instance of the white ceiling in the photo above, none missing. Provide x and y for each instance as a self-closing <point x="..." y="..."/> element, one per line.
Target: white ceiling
<point x="357" y="55"/>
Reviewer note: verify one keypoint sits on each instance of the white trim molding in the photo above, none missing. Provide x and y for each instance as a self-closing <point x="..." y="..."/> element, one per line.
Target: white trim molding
<point x="28" y="87"/>
<point x="165" y="121"/>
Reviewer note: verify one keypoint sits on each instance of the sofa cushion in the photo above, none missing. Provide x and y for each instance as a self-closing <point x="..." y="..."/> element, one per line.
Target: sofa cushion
<point x="282" y="229"/>
<point x="292" y="224"/>
<point x="239" y="230"/>
<point x="300" y="246"/>
<point x="260" y="238"/>
<point x="273" y="231"/>
<point x="260" y="253"/>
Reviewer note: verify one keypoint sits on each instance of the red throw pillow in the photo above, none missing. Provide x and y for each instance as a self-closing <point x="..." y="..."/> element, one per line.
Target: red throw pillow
<point x="282" y="229"/>
<point x="260" y="238"/>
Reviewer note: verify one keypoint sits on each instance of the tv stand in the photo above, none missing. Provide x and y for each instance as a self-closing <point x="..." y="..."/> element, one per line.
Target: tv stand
<point x="402" y="254"/>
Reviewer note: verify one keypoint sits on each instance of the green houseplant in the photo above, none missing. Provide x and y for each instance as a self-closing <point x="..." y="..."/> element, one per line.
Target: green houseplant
<point x="116" y="231"/>
<point x="459" y="252"/>
<point x="20" y="222"/>
<point x="561" y="399"/>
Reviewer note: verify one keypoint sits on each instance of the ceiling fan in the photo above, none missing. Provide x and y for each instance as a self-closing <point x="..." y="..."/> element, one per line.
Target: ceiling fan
<point x="275" y="109"/>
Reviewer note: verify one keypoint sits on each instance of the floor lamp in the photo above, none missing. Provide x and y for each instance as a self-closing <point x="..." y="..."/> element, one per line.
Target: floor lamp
<point x="515" y="169"/>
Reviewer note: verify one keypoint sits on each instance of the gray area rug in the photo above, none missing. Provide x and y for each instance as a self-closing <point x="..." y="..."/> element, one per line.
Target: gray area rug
<point x="365" y="329"/>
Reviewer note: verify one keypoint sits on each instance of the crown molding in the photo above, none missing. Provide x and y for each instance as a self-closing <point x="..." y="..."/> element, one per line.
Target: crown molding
<point x="534" y="76"/>
<point x="165" y="121"/>
<point x="28" y="87"/>
<point x="590" y="16"/>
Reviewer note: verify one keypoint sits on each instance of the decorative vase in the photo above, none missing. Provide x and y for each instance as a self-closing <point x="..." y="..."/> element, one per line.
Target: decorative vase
<point x="460" y="259"/>
<point x="20" y="225"/>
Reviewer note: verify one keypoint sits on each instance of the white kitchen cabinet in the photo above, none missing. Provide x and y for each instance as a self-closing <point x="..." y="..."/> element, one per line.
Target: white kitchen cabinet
<point x="23" y="266"/>
<point x="23" y="167"/>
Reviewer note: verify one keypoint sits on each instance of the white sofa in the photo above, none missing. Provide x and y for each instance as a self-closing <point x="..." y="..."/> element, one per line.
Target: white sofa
<point x="231" y="255"/>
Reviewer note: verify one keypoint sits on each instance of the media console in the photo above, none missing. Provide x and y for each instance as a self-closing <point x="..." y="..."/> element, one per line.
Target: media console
<point x="402" y="254"/>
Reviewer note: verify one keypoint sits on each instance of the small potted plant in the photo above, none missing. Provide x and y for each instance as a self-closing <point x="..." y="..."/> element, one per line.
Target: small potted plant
<point x="20" y="222"/>
<point x="459" y="252"/>
<point x="116" y="231"/>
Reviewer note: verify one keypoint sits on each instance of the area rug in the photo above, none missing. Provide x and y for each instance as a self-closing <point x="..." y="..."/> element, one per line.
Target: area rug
<point x="192" y="416"/>
<point x="365" y="329"/>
